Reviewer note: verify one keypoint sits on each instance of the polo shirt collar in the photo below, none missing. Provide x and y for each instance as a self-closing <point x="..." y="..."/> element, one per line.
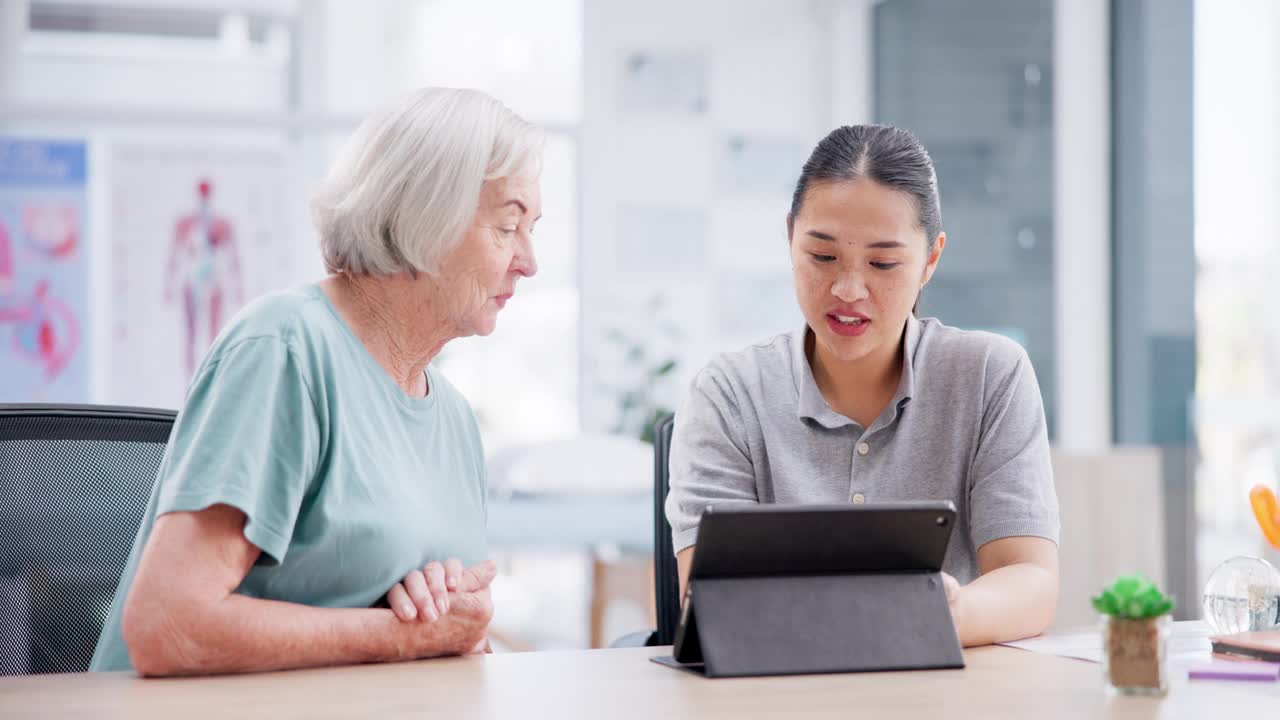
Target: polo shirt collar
<point x="812" y="406"/>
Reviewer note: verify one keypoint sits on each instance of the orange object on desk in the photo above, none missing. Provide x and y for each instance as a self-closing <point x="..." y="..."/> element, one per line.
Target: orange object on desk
<point x="1267" y="512"/>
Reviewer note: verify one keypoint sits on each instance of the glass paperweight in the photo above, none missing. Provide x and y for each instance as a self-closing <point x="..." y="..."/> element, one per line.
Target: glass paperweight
<point x="1242" y="594"/>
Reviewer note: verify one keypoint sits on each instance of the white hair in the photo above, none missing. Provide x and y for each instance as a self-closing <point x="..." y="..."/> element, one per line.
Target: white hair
<point x="406" y="187"/>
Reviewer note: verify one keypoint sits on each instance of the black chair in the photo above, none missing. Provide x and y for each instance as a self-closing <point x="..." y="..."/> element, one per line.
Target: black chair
<point x="666" y="580"/>
<point x="74" y="483"/>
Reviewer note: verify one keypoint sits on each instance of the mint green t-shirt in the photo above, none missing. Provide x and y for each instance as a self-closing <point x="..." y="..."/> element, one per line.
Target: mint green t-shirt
<point x="347" y="483"/>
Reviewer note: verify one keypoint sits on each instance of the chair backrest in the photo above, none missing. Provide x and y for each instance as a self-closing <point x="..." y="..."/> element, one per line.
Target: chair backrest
<point x="666" y="580"/>
<point x="74" y="483"/>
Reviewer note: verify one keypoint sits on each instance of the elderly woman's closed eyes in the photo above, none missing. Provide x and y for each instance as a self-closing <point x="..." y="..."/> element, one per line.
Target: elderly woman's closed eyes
<point x="322" y="497"/>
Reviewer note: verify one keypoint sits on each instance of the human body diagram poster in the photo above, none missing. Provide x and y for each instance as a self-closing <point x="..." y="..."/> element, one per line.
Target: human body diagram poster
<point x="195" y="234"/>
<point x="43" y="271"/>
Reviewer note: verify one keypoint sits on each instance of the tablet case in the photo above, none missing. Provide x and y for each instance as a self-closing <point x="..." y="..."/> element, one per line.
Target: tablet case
<point x="879" y="607"/>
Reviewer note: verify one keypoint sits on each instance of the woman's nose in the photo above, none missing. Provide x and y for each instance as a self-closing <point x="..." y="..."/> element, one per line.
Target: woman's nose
<point x="524" y="261"/>
<point x="849" y="287"/>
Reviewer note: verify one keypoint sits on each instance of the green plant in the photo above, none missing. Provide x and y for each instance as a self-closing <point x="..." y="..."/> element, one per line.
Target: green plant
<point x="638" y="405"/>
<point x="1132" y="597"/>
<point x="646" y="354"/>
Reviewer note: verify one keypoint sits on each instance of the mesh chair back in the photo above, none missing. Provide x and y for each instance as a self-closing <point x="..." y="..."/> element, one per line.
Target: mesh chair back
<point x="74" y="483"/>
<point x="666" y="581"/>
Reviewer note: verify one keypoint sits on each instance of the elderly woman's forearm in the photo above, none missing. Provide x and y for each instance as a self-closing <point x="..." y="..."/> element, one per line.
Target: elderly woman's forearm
<point x="182" y="615"/>
<point x="242" y="634"/>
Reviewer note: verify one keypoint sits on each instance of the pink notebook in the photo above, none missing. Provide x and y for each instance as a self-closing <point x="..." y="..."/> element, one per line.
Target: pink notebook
<point x="1255" y="645"/>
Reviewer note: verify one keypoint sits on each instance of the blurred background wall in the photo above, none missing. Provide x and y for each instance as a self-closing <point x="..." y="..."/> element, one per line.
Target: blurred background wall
<point x="1109" y="181"/>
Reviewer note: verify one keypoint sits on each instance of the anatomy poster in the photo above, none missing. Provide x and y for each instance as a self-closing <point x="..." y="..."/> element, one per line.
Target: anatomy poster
<point x="195" y="233"/>
<point x="43" y="277"/>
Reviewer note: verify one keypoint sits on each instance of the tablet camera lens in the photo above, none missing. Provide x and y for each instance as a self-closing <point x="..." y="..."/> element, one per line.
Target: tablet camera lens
<point x="941" y="520"/>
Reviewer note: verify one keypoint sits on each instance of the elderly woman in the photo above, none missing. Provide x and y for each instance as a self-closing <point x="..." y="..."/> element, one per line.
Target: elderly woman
<point x="320" y="467"/>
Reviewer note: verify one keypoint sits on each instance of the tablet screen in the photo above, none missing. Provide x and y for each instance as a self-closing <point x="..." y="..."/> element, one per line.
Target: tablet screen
<point x="820" y="539"/>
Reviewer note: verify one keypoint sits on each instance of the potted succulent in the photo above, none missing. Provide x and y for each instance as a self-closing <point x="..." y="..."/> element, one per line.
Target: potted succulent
<point x="1135" y="635"/>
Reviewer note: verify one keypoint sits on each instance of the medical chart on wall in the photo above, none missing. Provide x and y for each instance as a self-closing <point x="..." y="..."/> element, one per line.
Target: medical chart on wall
<point x="195" y="234"/>
<point x="43" y="271"/>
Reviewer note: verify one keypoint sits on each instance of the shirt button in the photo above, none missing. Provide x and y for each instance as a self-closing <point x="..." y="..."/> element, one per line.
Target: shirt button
<point x="859" y="498"/>
<point x="863" y="448"/>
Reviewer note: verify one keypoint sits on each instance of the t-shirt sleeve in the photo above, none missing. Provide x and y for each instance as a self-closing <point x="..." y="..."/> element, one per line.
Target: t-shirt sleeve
<point x="1011" y="490"/>
<point x="248" y="437"/>
<point x="710" y="461"/>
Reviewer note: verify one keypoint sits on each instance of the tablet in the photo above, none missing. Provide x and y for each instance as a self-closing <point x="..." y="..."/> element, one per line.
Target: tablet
<point x="882" y="558"/>
<point x="816" y="539"/>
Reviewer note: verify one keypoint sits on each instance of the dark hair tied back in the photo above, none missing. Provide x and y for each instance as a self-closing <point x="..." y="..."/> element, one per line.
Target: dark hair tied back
<point x="888" y="155"/>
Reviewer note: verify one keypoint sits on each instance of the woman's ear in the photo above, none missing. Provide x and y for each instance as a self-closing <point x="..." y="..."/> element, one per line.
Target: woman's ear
<point x="788" y="229"/>
<point x="935" y="254"/>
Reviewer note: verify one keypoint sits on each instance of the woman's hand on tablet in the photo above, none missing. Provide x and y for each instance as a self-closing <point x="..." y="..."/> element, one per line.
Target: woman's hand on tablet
<point x="952" y="586"/>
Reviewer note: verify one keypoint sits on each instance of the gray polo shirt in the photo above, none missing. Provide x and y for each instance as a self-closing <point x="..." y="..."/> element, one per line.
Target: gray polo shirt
<point x="966" y="425"/>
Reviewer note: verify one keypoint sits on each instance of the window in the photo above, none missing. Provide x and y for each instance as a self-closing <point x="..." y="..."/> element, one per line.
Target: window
<point x="522" y="380"/>
<point x="974" y="81"/>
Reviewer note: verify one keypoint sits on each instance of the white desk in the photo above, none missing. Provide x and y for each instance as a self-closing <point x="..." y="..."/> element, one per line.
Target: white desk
<point x="999" y="682"/>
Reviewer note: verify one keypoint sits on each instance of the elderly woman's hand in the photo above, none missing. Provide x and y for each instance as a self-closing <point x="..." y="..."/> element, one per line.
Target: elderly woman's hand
<point x="424" y="594"/>
<point x="465" y="631"/>
<point x="463" y="627"/>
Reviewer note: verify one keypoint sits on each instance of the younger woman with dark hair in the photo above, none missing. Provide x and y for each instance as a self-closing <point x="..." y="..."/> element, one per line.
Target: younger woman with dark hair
<point x="868" y="403"/>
